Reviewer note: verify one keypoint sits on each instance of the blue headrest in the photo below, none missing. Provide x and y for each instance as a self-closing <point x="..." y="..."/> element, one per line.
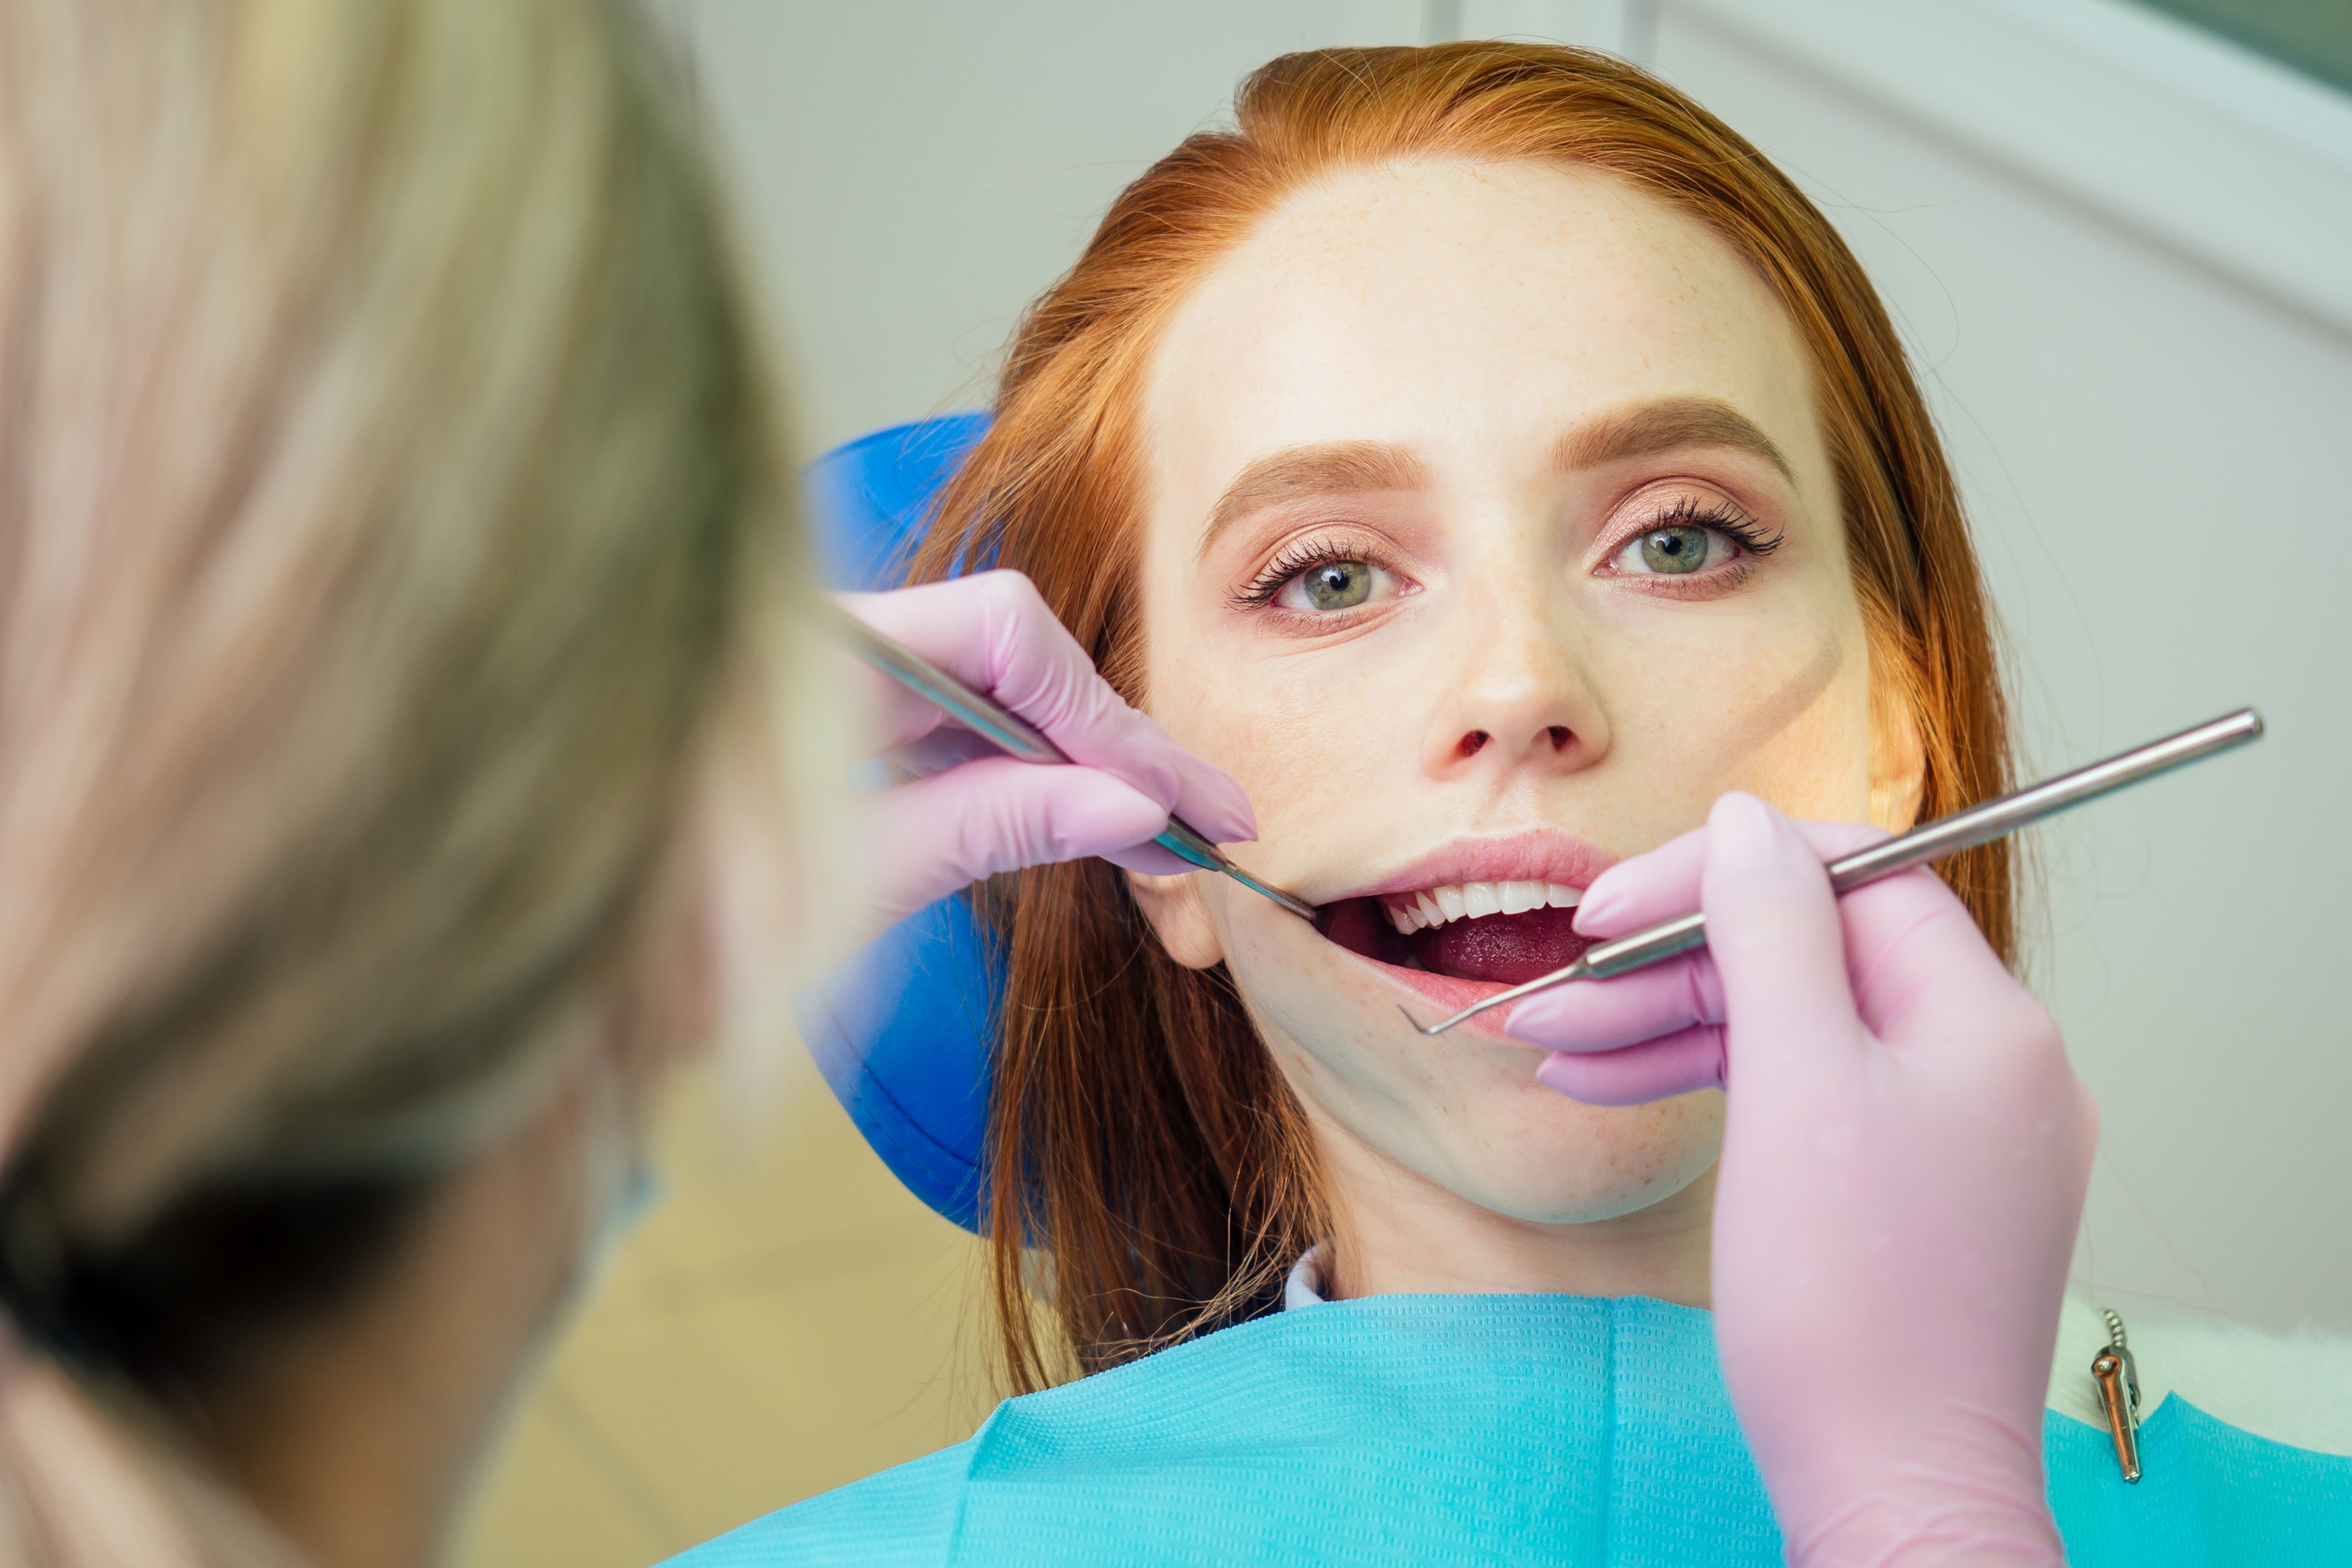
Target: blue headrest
<point x="901" y="1032"/>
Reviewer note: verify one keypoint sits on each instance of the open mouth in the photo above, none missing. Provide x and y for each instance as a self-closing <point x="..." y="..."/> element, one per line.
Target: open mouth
<point x="1503" y="933"/>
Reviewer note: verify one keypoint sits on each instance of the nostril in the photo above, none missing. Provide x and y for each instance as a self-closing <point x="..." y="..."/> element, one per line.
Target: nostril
<point x="1472" y="742"/>
<point x="1559" y="737"/>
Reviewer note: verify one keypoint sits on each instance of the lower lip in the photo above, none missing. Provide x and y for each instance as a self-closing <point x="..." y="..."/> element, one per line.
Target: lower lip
<point x="1446" y="994"/>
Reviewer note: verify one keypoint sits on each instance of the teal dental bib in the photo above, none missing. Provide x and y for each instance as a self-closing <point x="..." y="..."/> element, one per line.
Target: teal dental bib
<point x="1568" y="1431"/>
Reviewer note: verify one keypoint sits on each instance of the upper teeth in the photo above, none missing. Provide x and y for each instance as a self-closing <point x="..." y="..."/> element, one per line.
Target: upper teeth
<point x="1409" y="912"/>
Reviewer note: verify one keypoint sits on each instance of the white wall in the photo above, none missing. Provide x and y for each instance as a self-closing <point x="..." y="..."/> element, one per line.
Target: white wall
<point x="2153" y="443"/>
<point x="918" y="169"/>
<point x="2120" y="254"/>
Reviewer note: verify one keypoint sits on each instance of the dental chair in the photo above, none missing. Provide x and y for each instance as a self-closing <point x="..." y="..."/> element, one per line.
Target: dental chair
<point x="901" y="1032"/>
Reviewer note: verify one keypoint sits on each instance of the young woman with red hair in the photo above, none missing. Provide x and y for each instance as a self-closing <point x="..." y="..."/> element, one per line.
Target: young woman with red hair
<point x="1502" y="470"/>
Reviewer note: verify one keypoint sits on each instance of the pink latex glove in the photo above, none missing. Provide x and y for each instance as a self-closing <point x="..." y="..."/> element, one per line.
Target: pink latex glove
<point x="1905" y="1156"/>
<point x="985" y="813"/>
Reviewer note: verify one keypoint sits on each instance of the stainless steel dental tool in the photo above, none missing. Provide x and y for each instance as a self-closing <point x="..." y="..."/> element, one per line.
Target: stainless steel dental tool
<point x="1008" y="733"/>
<point x="1944" y="835"/>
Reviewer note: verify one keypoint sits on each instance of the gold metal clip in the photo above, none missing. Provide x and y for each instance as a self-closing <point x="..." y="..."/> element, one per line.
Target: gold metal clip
<point x="2117" y="1376"/>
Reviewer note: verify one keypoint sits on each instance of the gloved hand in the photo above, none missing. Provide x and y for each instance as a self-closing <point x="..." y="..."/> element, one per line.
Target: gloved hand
<point x="1906" y="1152"/>
<point x="987" y="813"/>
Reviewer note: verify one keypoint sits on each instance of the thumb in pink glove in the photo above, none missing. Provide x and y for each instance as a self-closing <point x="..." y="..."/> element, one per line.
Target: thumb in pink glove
<point x="986" y="813"/>
<point x="1906" y="1152"/>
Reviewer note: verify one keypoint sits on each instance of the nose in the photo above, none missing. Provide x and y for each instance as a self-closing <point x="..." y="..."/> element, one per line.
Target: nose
<point x="1521" y="701"/>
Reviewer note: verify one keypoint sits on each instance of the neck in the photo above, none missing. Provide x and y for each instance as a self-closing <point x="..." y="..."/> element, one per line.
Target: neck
<point x="1397" y="1232"/>
<point x="355" y="1436"/>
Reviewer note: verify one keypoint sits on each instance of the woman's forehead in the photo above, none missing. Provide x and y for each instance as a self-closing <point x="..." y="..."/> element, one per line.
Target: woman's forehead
<point x="1470" y="314"/>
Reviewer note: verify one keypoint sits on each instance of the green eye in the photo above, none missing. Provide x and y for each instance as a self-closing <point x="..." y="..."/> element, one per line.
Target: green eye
<point x="1337" y="584"/>
<point x="1676" y="549"/>
<point x="1330" y="586"/>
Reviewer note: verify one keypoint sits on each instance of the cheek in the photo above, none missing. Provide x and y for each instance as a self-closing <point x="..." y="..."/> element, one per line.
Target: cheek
<point x="1776" y="704"/>
<point x="1815" y="760"/>
<point x="1289" y="730"/>
<point x="1336" y="1038"/>
<point x="1312" y="736"/>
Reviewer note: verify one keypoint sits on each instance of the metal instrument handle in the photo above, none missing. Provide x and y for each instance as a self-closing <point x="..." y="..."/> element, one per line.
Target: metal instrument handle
<point x="1944" y="835"/>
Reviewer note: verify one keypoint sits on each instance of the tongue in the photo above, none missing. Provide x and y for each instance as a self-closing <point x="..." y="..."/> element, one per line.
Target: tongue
<point x="1510" y="948"/>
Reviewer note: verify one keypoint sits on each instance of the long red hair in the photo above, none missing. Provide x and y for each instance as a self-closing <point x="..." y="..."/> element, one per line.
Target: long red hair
<point x="1144" y="1149"/>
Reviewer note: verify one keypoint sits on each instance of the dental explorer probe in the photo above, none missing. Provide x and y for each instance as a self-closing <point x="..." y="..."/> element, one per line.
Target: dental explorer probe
<point x="1944" y="835"/>
<point x="1008" y="733"/>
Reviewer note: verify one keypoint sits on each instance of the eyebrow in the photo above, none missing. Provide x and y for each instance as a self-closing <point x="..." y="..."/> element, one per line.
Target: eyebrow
<point x="1664" y="425"/>
<point x="1301" y="473"/>
<point x="1370" y="467"/>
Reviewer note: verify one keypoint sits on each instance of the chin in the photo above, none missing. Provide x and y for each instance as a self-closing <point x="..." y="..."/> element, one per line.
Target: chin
<point x="1564" y="1162"/>
<point x="1464" y="1111"/>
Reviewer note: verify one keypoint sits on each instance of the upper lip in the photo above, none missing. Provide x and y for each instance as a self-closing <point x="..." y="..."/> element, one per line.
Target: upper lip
<point x="1543" y="855"/>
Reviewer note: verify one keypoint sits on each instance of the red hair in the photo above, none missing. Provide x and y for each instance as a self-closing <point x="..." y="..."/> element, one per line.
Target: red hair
<point x="1140" y="1134"/>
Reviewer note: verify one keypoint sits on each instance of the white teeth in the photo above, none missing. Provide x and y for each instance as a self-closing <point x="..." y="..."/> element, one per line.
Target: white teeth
<point x="1474" y="901"/>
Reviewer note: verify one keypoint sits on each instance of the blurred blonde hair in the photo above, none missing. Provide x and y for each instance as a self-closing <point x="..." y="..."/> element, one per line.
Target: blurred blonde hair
<point x="390" y="498"/>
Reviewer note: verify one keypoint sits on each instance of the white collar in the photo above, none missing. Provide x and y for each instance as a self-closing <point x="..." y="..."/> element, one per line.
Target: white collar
<point x="1304" y="1286"/>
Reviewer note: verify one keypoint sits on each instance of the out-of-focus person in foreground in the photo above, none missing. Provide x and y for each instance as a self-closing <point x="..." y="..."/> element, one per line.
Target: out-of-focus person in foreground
<point x="389" y="474"/>
<point x="397" y="568"/>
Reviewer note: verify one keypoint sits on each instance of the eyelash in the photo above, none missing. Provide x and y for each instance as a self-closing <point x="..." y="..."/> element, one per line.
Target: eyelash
<point x="1689" y="511"/>
<point x="1297" y="558"/>
<point x="1685" y="511"/>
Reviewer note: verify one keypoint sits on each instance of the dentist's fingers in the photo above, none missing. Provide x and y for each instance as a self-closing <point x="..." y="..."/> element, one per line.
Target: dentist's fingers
<point x="1907" y="939"/>
<point x="1148" y="859"/>
<point x="1608" y="1015"/>
<point x="993" y="632"/>
<point x="936" y="835"/>
<point x="1655" y="1069"/>
<point x="1912" y="949"/>
<point x="1652" y="887"/>
<point x="1774" y="932"/>
<point x="1663" y="883"/>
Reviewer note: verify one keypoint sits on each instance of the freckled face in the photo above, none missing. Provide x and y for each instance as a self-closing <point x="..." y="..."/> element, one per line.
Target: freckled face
<point x="1489" y="526"/>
